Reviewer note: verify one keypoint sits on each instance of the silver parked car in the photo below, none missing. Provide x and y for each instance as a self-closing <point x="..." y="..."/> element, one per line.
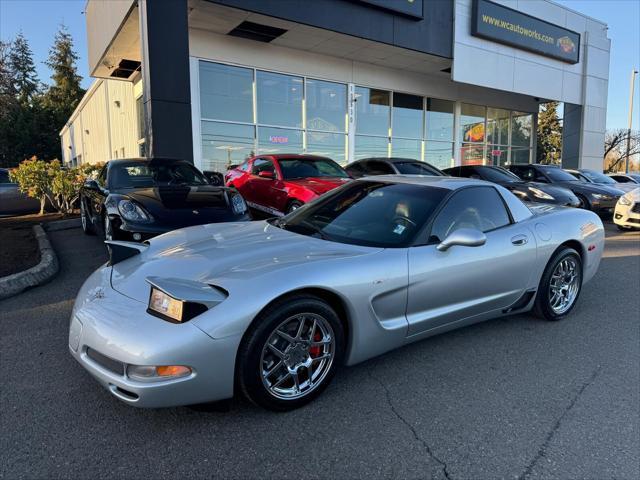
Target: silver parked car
<point x="12" y="200"/>
<point x="271" y="308"/>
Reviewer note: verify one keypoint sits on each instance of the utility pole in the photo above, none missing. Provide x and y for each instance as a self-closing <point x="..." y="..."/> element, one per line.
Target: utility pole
<point x="631" y="88"/>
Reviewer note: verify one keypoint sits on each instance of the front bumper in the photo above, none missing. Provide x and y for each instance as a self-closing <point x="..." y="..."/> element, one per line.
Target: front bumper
<point x="626" y="217"/>
<point x="604" y="207"/>
<point x="109" y="331"/>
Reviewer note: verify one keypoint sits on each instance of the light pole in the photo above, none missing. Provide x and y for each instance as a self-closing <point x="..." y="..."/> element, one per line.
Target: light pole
<point x="631" y="88"/>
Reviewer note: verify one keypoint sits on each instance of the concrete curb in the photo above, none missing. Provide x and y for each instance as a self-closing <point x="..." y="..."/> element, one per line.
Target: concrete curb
<point x="13" y="284"/>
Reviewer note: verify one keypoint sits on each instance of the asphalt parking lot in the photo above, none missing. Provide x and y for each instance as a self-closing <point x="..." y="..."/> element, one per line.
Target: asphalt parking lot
<point x="511" y="398"/>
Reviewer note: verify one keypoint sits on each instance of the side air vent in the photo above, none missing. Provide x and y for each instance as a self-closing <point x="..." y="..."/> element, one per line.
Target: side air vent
<point x="126" y="68"/>
<point x="255" y="31"/>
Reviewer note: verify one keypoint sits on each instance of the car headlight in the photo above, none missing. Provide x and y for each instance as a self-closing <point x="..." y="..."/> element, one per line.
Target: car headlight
<point x="163" y="305"/>
<point x="600" y="196"/>
<point x="540" y="194"/>
<point x="133" y="212"/>
<point x="625" y="200"/>
<point x="238" y="204"/>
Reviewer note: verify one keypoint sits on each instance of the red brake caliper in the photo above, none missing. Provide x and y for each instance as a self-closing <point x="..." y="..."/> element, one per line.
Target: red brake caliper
<point x="316" y="350"/>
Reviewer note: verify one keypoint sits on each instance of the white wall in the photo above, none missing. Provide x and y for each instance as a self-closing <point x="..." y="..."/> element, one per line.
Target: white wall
<point x="103" y="126"/>
<point x="482" y="62"/>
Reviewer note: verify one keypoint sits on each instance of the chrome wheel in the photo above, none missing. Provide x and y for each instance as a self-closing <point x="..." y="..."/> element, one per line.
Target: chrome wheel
<point x="297" y="356"/>
<point x="564" y="285"/>
<point x="83" y="216"/>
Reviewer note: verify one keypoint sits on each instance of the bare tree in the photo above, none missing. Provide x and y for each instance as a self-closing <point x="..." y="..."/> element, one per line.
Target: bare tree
<point x="615" y="149"/>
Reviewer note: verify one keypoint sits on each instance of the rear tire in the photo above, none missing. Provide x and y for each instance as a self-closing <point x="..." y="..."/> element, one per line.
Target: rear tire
<point x="290" y="353"/>
<point x="85" y="220"/>
<point x="560" y="285"/>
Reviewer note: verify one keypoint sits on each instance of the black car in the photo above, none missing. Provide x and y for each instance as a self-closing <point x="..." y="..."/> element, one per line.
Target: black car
<point x="390" y="166"/>
<point x="139" y="198"/>
<point x="599" y="198"/>
<point x="526" y="191"/>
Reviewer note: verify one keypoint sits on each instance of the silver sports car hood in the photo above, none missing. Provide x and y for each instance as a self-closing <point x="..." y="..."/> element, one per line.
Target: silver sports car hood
<point x="223" y="254"/>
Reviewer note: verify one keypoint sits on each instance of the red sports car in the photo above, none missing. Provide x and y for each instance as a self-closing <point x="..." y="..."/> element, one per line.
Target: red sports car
<point x="278" y="184"/>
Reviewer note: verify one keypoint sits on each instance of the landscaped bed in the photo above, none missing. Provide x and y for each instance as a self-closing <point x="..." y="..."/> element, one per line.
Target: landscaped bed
<point x="18" y="245"/>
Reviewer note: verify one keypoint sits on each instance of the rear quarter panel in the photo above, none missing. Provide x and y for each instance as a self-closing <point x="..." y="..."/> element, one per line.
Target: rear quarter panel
<point x="553" y="227"/>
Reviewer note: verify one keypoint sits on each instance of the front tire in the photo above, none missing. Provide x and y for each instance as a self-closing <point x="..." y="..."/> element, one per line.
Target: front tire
<point x="584" y="203"/>
<point x="290" y="353"/>
<point x="85" y="220"/>
<point x="560" y="285"/>
<point x="107" y="228"/>
<point x="293" y="206"/>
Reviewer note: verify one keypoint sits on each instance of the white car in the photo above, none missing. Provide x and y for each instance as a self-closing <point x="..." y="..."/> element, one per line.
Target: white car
<point x="627" y="214"/>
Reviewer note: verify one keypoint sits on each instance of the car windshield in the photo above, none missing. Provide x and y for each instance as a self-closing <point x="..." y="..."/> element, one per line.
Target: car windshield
<point x="498" y="175"/>
<point x="597" y="177"/>
<point x="368" y="213"/>
<point x="559" y="175"/>
<point x="145" y="174"/>
<point x="310" y="167"/>
<point x="416" y="168"/>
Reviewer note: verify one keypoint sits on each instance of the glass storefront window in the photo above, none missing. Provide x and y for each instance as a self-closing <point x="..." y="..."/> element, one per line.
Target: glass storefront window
<point x="498" y="126"/>
<point x="497" y="154"/>
<point x="279" y="99"/>
<point x="327" y="144"/>
<point x="279" y="140"/>
<point x="225" y="144"/>
<point x="472" y="119"/>
<point x="521" y="125"/>
<point x="407" y="116"/>
<point x="406" y="148"/>
<point x="520" y="155"/>
<point x="326" y="104"/>
<point x="372" y="111"/>
<point x="439" y="154"/>
<point x="472" y="154"/>
<point x="370" y="147"/>
<point x="226" y="92"/>
<point x="439" y="119"/>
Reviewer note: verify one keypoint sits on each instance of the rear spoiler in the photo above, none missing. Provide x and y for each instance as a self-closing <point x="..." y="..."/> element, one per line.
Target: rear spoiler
<point x="120" y="251"/>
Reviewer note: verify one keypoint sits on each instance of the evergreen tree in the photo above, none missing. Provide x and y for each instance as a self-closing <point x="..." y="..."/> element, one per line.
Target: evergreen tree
<point x="8" y="102"/>
<point x="549" y="147"/>
<point x="25" y="78"/>
<point x="65" y="93"/>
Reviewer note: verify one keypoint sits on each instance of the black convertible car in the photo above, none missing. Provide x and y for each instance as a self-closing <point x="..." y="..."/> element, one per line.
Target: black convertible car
<point x="526" y="191"/>
<point x="139" y="198"/>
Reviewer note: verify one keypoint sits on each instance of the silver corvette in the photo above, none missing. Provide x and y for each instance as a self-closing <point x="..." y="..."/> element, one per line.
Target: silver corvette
<point x="270" y="309"/>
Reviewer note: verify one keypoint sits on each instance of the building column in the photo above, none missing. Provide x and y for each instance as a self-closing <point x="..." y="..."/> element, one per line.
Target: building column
<point x="164" y="38"/>
<point x="584" y="125"/>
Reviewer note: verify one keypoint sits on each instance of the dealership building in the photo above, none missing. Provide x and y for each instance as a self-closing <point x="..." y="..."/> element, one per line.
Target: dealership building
<point x="448" y="82"/>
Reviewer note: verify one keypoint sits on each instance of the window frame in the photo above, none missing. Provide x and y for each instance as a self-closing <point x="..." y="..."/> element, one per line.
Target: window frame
<point x="423" y="237"/>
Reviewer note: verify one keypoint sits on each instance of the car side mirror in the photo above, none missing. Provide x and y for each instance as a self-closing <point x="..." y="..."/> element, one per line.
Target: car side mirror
<point x="266" y="174"/>
<point x="91" y="185"/>
<point x="465" y="237"/>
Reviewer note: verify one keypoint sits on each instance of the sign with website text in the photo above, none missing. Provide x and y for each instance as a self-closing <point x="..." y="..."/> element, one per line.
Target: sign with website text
<point x="505" y="25"/>
<point x="412" y="8"/>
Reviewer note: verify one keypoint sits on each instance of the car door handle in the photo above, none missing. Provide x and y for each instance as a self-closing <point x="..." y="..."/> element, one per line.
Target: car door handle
<point x="519" y="240"/>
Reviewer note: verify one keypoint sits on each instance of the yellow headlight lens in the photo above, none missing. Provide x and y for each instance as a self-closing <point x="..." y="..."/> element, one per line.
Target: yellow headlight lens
<point x="164" y="304"/>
